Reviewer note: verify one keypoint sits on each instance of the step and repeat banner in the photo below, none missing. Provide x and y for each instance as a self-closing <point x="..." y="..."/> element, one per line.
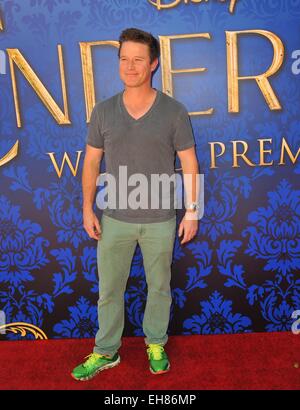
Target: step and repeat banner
<point x="236" y="66"/>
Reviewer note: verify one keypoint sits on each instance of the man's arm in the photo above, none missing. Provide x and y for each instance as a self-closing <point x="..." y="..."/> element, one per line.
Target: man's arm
<point x="190" y="171"/>
<point x="90" y="172"/>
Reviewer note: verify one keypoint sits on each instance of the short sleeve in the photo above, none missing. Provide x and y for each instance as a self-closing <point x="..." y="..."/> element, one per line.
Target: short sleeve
<point x="183" y="137"/>
<point x="95" y="135"/>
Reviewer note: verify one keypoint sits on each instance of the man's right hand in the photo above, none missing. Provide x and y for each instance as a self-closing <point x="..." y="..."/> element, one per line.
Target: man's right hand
<point x="91" y="224"/>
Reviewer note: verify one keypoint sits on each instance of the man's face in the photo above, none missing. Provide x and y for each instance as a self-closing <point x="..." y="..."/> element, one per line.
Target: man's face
<point x="135" y="68"/>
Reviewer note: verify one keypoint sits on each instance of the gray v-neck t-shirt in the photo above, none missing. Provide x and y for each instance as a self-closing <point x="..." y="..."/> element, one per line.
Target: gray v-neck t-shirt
<point x="144" y="146"/>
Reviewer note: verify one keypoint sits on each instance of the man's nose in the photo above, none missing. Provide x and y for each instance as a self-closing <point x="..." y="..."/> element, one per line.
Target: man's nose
<point x="130" y="64"/>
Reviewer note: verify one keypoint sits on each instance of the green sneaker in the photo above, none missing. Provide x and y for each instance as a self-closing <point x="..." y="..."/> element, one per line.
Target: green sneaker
<point x="94" y="364"/>
<point x="159" y="362"/>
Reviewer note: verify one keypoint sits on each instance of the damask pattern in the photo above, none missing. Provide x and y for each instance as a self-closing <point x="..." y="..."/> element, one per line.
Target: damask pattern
<point x="241" y="272"/>
<point x="275" y="237"/>
<point x="22" y="249"/>
<point x="269" y="9"/>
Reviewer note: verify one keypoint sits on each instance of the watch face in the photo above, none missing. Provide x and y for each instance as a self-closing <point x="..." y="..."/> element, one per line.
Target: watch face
<point x="193" y="207"/>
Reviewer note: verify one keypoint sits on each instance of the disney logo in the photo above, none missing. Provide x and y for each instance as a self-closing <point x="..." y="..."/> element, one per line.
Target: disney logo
<point x="168" y="4"/>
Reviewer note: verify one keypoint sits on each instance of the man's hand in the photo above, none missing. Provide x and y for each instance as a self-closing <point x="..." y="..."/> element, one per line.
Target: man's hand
<point x="188" y="228"/>
<point x="91" y="224"/>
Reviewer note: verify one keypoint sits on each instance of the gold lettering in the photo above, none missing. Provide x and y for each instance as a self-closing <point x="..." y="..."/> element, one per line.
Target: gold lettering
<point x="261" y="79"/>
<point x="263" y="151"/>
<point x="13" y="152"/>
<point x="168" y="71"/>
<point x="65" y="158"/>
<point x="1" y="24"/>
<point x="285" y="147"/>
<point x="15" y="57"/>
<point x="232" y="5"/>
<point x="213" y="155"/>
<point x="235" y="154"/>
<point x="87" y="72"/>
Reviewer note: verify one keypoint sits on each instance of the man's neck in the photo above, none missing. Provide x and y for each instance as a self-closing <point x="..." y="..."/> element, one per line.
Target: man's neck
<point x="137" y="94"/>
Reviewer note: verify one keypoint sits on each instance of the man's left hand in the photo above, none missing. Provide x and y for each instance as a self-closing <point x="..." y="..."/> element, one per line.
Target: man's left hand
<point x="188" y="227"/>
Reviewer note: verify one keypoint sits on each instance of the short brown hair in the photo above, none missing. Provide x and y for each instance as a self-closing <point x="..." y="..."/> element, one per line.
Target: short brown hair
<point x="140" y="36"/>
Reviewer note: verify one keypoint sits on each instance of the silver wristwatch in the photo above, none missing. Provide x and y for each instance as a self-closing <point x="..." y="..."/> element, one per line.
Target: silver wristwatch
<point x="192" y="207"/>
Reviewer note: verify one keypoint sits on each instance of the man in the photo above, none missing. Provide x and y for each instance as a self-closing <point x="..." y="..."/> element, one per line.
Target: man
<point x="140" y="128"/>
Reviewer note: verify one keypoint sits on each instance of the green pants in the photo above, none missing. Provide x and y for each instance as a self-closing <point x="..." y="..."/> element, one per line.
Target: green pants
<point x="114" y="255"/>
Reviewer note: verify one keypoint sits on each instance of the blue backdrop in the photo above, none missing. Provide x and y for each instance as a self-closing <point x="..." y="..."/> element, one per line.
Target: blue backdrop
<point x="241" y="272"/>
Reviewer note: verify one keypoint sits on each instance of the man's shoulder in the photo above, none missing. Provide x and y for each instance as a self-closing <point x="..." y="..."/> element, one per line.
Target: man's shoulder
<point x="172" y="104"/>
<point x="107" y="103"/>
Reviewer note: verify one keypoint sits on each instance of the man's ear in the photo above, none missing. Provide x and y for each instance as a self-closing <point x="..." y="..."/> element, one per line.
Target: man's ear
<point x="154" y="64"/>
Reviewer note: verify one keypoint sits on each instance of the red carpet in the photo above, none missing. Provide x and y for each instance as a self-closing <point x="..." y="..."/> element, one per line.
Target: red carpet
<point x="242" y="361"/>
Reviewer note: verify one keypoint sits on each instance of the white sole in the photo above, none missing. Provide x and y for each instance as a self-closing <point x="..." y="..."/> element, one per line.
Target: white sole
<point x="107" y="366"/>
